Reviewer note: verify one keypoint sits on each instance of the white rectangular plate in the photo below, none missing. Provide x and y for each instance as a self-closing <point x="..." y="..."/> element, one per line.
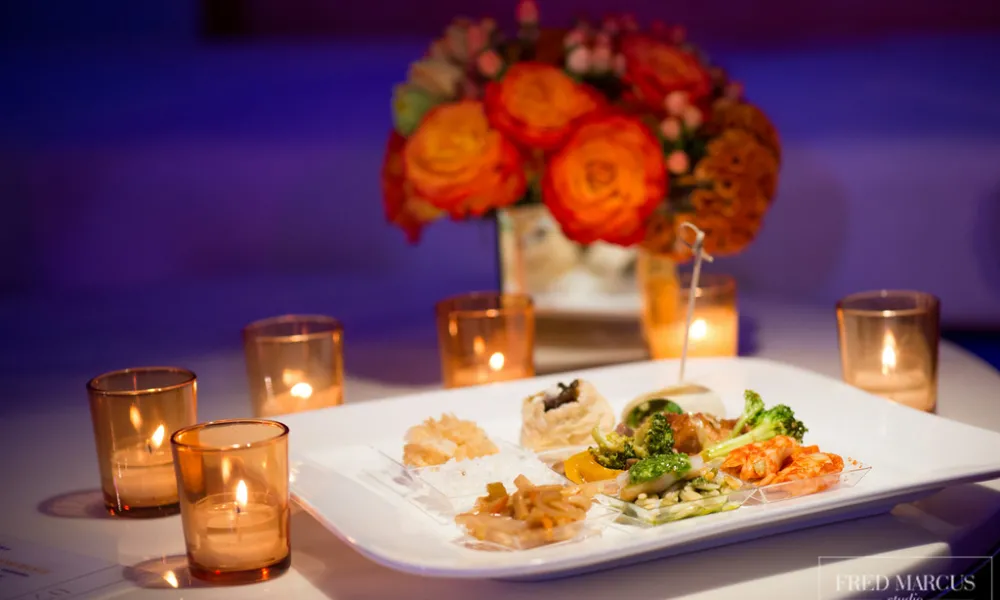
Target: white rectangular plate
<point x="330" y="449"/>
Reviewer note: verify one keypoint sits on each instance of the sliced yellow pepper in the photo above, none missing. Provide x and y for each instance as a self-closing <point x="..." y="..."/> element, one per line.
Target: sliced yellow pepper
<point x="582" y="468"/>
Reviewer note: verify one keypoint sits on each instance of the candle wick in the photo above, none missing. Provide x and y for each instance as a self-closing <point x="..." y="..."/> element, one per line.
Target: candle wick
<point x="149" y="448"/>
<point x="698" y="250"/>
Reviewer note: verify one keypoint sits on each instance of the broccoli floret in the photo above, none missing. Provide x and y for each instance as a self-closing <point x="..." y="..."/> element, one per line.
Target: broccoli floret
<point x="752" y="410"/>
<point x="657" y="466"/>
<point x="613" y="449"/>
<point x="655" y="436"/>
<point x="775" y="421"/>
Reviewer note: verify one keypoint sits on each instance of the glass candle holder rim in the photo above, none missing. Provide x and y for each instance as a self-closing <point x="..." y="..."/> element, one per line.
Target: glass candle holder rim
<point x="449" y="305"/>
<point x="175" y="438"/>
<point x="256" y="329"/>
<point x="844" y="304"/>
<point x="189" y="378"/>
<point x="709" y="284"/>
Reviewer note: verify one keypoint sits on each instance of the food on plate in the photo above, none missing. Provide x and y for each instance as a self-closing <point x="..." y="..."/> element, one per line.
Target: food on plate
<point x="530" y="516"/>
<point x="584" y="468"/>
<point x="698" y="493"/>
<point x="695" y="431"/>
<point x="563" y="416"/>
<point x="686" y="398"/>
<point x="437" y="441"/>
<point x="781" y="460"/>
<point x="657" y="472"/>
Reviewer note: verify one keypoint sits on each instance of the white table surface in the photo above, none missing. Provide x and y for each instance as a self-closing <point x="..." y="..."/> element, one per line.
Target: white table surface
<point x="49" y="489"/>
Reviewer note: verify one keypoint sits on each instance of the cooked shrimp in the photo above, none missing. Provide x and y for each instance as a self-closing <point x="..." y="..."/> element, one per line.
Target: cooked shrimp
<point x="760" y="460"/>
<point x="813" y="464"/>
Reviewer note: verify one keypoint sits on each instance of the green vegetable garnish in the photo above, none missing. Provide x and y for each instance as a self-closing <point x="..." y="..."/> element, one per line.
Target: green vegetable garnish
<point x="657" y="466"/>
<point x="613" y="449"/>
<point x="775" y="421"/>
<point x="655" y="436"/>
<point x="752" y="408"/>
<point x="654" y="405"/>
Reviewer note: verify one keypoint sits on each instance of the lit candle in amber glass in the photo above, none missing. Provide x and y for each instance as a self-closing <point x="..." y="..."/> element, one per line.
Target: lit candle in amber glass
<point x="889" y="345"/>
<point x="485" y="337"/>
<point x="294" y="363"/>
<point x="714" y="327"/>
<point x="133" y="412"/>
<point x="233" y="477"/>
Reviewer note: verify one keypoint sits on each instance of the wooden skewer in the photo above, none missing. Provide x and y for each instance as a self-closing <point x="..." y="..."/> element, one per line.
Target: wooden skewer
<point x="698" y="250"/>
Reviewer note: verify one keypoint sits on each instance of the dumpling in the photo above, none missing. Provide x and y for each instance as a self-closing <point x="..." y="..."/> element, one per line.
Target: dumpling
<point x="564" y="416"/>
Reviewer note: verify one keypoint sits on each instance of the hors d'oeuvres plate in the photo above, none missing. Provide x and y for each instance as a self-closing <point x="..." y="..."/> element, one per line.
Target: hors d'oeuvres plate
<point x="799" y="444"/>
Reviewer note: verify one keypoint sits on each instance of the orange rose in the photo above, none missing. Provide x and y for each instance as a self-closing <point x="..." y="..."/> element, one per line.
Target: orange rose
<point x="402" y="206"/>
<point x="606" y="180"/>
<point x="537" y="105"/>
<point x="654" y="68"/>
<point x="459" y="164"/>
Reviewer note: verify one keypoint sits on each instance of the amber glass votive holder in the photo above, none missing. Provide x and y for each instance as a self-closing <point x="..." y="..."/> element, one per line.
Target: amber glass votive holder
<point x="714" y="327"/>
<point x="484" y="337"/>
<point x="295" y="363"/>
<point x="889" y="345"/>
<point x="233" y="479"/>
<point x="134" y="412"/>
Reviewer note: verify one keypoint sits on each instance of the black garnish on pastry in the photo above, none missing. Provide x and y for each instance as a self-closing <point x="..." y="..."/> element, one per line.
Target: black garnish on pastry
<point x="567" y="393"/>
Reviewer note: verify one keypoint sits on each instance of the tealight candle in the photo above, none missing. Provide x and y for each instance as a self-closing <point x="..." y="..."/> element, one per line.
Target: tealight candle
<point x="294" y="363"/>
<point x="133" y="412"/>
<point x="485" y="337"/>
<point x="237" y="531"/>
<point x="144" y="473"/>
<point x="888" y="345"/>
<point x="234" y="501"/>
<point x="714" y="329"/>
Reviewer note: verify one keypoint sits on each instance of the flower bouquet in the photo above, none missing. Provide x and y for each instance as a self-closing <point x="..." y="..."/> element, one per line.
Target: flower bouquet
<point x="621" y="134"/>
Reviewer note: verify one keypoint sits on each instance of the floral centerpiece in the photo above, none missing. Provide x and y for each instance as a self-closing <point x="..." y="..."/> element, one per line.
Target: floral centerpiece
<point x="622" y="134"/>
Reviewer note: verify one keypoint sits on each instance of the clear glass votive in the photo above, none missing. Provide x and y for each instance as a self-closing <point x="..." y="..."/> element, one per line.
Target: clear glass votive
<point x="714" y="325"/>
<point x="294" y="363"/>
<point x="485" y="337"/>
<point x="889" y="345"/>
<point x="233" y="477"/>
<point x="134" y="412"/>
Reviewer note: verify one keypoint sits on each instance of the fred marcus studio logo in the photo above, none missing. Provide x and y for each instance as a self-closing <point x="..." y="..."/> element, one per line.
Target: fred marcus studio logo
<point x="905" y="578"/>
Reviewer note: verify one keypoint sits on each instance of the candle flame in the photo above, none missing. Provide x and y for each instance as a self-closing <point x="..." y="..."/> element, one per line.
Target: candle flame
<point x="496" y="361"/>
<point x="171" y="579"/>
<point x="157" y="438"/>
<point x="135" y="416"/>
<point x="699" y="329"/>
<point x="478" y="345"/>
<point x="888" y="353"/>
<point x="241" y="495"/>
<point x="301" y="390"/>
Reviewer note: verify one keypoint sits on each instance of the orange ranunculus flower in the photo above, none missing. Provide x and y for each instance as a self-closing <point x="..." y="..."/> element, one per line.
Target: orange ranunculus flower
<point x="537" y="105"/>
<point x="734" y="114"/>
<point x="655" y="67"/>
<point x="402" y="206"/>
<point x="459" y="164"/>
<point x="607" y="179"/>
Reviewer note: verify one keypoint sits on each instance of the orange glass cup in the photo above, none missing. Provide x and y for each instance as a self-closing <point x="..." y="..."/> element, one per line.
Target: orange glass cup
<point x="233" y="479"/>
<point x="485" y="337"/>
<point x="294" y="363"/>
<point x="889" y="345"/>
<point x="134" y="412"/>
<point x="714" y="327"/>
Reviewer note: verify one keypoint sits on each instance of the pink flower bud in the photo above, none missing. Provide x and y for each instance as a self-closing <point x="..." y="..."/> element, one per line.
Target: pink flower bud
<point x="577" y="37"/>
<point x="578" y="60"/>
<point x="691" y="116"/>
<point x="600" y="58"/>
<point x="675" y="102"/>
<point x="489" y="64"/>
<point x="734" y="91"/>
<point x="671" y="129"/>
<point x="602" y="39"/>
<point x="621" y="65"/>
<point x="475" y="39"/>
<point x="527" y="12"/>
<point x="677" y="162"/>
